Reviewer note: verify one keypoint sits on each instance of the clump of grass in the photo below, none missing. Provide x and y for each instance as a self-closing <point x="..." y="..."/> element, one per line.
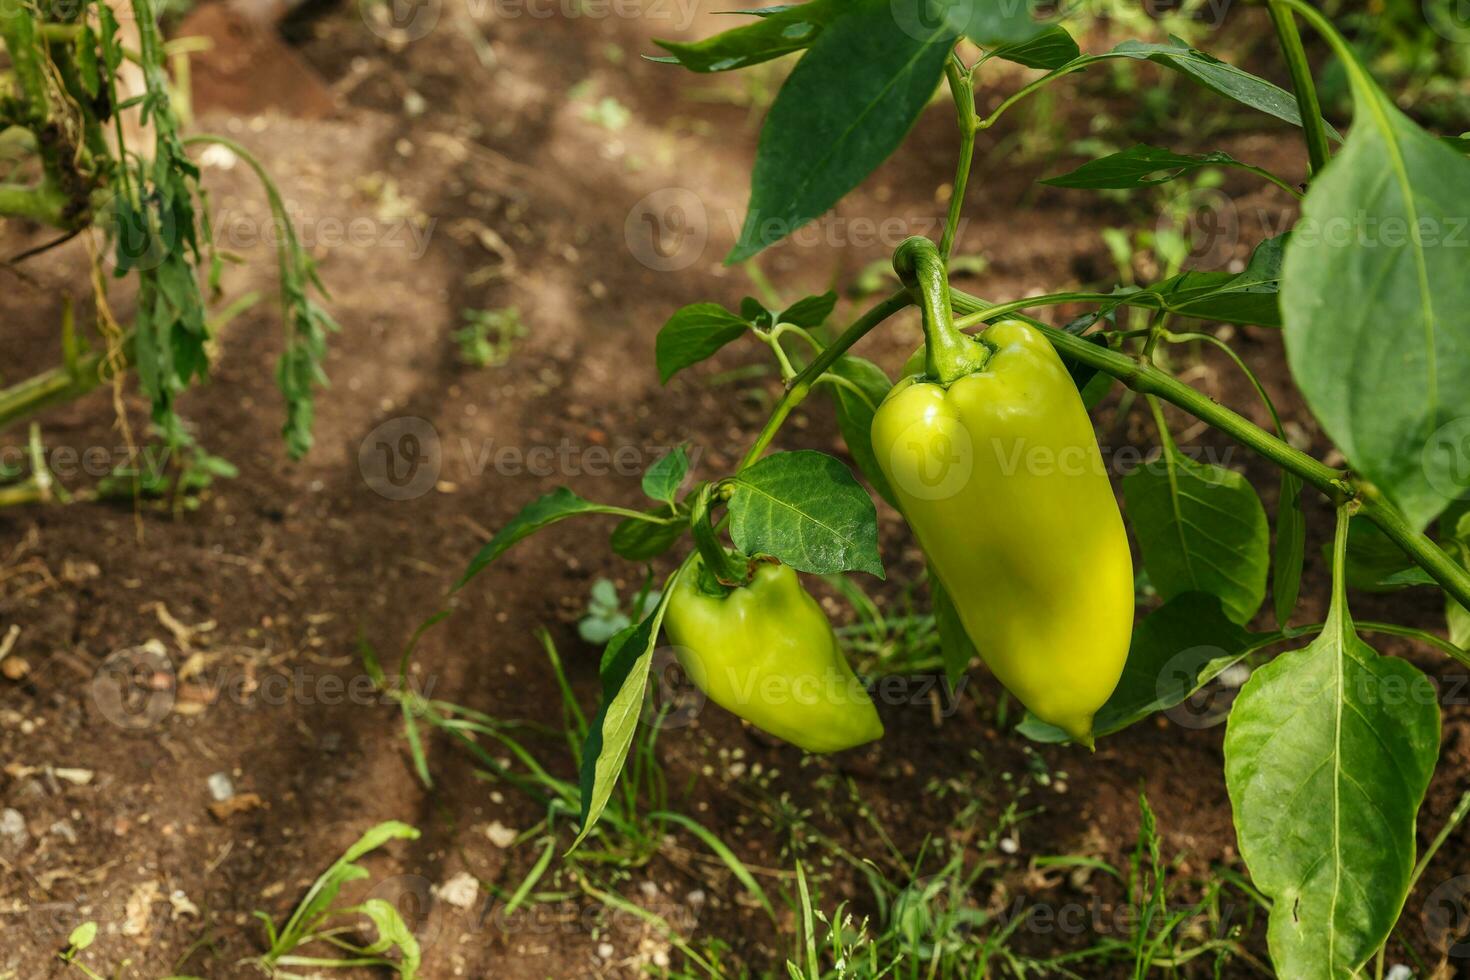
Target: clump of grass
<point x="489" y="336"/>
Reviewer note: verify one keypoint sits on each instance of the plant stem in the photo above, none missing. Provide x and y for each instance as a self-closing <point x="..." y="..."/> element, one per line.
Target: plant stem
<point x="1333" y="484"/>
<point x="800" y="386"/>
<point x="1015" y="306"/>
<point x="60" y="384"/>
<point x="1077" y="64"/>
<point x="720" y="563"/>
<point x="948" y="354"/>
<point x="962" y="88"/>
<point x="42" y="203"/>
<point x="1318" y="150"/>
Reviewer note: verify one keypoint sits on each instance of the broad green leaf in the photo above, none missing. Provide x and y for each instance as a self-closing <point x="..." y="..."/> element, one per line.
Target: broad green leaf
<point x="1290" y="549"/>
<point x="555" y="506"/>
<point x="845" y="107"/>
<point x="1251" y="297"/>
<point x="811" y="311"/>
<point x="1460" y="144"/>
<point x="1052" y="48"/>
<point x="1328" y="754"/>
<point x="693" y="334"/>
<point x="955" y="646"/>
<point x="1175" y="651"/>
<point x="624" y="671"/>
<point x="663" y="479"/>
<point x="641" y="540"/>
<point x="1139" y="166"/>
<point x="775" y="34"/>
<point x="1375" y="564"/>
<point x="1377" y="305"/>
<point x="1201" y="528"/>
<point x="864" y="386"/>
<point x="805" y="509"/>
<point x="1211" y="72"/>
<point x="986" y="22"/>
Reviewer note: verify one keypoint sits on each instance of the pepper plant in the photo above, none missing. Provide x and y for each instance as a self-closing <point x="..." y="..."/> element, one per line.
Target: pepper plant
<point x="1330" y="746"/>
<point x="71" y="166"/>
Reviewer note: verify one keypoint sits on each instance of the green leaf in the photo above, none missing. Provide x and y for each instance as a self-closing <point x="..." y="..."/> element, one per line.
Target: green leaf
<point x="845" y="107"/>
<point x="88" y="66"/>
<point x="624" y="671"/>
<point x="1328" y="754"/>
<point x="82" y="936"/>
<point x="1175" y="651"/>
<point x="542" y="512"/>
<point x="324" y="891"/>
<point x="1376" y="564"/>
<point x="694" y="333"/>
<point x="805" y="509"/>
<point x="1201" y="528"/>
<point x="1251" y="297"/>
<point x="811" y="311"/>
<point x="1290" y="550"/>
<point x="855" y="410"/>
<point x="639" y="540"/>
<point x="393" y="932"/>
<point x="955" y="646"/>
<point x="1216" y="75"/>
<point x="1377" y="305"/>
<point x="1138" y="166"/>
<point x="663" y="479"/>
<point x="776" y="34"/>
<point x="1052" y="48"/>
<point x="986" y="22"/>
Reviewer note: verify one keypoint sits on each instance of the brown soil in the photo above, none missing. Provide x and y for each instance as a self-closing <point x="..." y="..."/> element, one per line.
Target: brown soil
<point x="468" y="136"/>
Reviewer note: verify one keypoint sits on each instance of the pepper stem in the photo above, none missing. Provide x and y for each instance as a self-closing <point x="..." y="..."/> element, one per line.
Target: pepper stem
<point x="949" y="353"/>
<point x="727" y="568"/>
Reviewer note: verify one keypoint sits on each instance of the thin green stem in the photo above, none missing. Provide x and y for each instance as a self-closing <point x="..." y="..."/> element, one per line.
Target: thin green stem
<point x="800" y="386"/>
<point x="720" y="563"/>
<point x="1268" y="175"/>
<point x="978" y="317"/>
<point x="1332" y="483"/>
<point x="1181" y="338"/>
<point x="962" y="88"/>
<point x="1313" y="126"/>
<point x="1462" y="810"/>
<point x="1032" y="88"/>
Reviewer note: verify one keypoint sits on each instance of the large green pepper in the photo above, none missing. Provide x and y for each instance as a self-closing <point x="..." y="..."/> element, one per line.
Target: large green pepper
<point x="996" y="467"/>
<point x="766" y="652"/>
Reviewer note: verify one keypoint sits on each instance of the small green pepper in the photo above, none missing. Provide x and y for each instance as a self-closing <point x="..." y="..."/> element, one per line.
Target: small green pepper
<point x="766" y="652"/>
